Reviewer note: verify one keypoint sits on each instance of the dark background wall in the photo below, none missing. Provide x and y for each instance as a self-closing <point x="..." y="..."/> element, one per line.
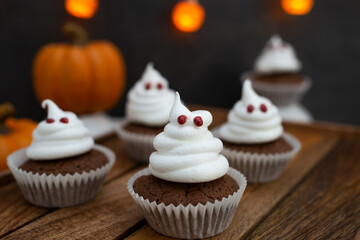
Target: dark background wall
<point x="203" y="66"/>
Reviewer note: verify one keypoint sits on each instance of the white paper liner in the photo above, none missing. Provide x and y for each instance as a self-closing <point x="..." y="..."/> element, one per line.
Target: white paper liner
<point x="59" y="191"/>
<point x="261" y="168"/>
<point x="190" y="222"/>
<point x="139" y="146"/>
<point x="280" y="94"/>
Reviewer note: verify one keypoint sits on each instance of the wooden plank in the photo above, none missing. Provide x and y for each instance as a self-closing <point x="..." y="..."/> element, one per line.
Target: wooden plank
<point x="99" y="218"/>
<point x="110" y="215"/>
<point x="16" y="212"/>
<point x="260" y="199"/>
<point x="325" y="206"/>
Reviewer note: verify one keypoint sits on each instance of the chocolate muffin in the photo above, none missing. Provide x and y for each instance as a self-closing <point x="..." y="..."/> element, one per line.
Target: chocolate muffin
<point x="276" y="74"/>
<point x="146" y="113"/>
<point x="254" y="140"/>
<point x="62" y="167"/>
<point x="188" y="191"/>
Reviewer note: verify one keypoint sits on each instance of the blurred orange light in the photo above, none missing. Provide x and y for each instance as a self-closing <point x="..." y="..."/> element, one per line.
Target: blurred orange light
<point x="188" y="16"/>
<point x="297" y="7"/>
<point x="82" y="8"/>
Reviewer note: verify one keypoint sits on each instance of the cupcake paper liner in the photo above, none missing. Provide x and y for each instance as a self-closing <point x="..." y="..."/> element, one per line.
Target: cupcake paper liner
<point x="190" y="222"/>
<point x="139" y="146"/>
<point x="261" y="168"/>
<point x="59" y="191"/>
<point x="280" y="94"/>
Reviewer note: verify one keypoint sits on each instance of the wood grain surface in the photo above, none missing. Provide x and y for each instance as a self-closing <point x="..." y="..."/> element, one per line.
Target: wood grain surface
<point x="325" y="206"/>
<point x="15" y="211"/>
<point x="110" y="215"/>
<point x="317" y="197"/>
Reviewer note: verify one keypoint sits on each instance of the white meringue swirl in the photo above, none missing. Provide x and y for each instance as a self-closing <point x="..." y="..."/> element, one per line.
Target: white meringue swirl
<point x="278" y="56"/>
<point x="187" y="153"/>
<point x="151" y="106"/>
<point x="249" y="127"/>
<point x="59" y="139"/>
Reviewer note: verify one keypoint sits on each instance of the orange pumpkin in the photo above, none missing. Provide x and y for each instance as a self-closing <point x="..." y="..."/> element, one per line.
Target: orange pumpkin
<point x="14" y="133"/>
<point x="82" y="77"/>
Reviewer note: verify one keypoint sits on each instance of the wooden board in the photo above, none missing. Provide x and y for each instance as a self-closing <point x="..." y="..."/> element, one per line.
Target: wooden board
<point x="110" y="215"/>
<point x="16" y="212"/>
<point x="326" y="205"/>
<point x="313" y="197"/>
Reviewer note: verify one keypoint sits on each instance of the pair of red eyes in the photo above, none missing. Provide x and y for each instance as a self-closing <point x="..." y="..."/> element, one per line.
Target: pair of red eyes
<point x="63" y="120"/>
<point x="197" y="120"/>
<point x="250" y="108"/>
<point x="158" y="86"/>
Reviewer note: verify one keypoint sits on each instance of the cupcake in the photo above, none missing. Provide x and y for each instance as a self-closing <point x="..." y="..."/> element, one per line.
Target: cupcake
<point x="276" y="73"/>
<point x="147" y="111"/>
<point x="188" y="191"/>
<point x="62" y="167"/>
<point x="254" y="139"/>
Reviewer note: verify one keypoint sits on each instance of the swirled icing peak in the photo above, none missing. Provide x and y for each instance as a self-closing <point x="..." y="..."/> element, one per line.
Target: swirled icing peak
<point x="61" y="135"/>
<point x="278" y="56"/>
<point x="150" y="100"/>
<point x="187" y="152"/>
<point x="252" y="120"/>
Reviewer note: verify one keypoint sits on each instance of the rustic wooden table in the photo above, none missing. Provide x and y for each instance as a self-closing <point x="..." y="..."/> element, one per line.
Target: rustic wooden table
<point x="317" y="197"/>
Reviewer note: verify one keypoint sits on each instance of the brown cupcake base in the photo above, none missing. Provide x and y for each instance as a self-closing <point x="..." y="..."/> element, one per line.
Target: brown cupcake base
<point x="280" y="78"/>
<point x="82" y="163"/>
<point x="190" y="222"/>
<point x="137" y="128"/>
<point x="137" y="139"/>
<point x="279" y="145"/>
<point x="281" y="89"/>
<point x="61" y="190"/>
<point x="261" y="167"/>
<point x="161" y="191"/>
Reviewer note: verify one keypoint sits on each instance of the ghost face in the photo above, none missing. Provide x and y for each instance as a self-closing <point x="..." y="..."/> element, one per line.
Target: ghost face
<point x="197" y="119"/>
<point x="261" y="108"/>
<point x="156" y="86"/>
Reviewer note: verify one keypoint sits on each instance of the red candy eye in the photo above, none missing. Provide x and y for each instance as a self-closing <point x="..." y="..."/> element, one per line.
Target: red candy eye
<point x="250" y="108"/>
<point x="182" y="119"/>
<point x="147" y="86"/>
<point x="263" y="108"/>
<point x="198" y="121"/>
<point x="64" y="120"/>
<point x="159" y="86"/>
<point x="50" y="120"/>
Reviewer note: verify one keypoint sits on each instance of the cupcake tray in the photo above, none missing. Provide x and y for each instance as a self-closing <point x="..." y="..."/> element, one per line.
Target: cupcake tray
<point x="317" y="197"/>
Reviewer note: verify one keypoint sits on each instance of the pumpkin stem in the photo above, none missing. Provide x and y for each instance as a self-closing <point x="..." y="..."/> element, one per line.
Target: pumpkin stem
<point x="6" y="110"/>
<point x="75" y="33"/>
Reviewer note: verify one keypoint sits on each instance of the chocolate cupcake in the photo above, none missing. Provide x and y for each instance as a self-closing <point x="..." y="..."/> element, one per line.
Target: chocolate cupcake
<point x="188" y="190"/>
<point x="254" y="140"/>
<point x="276" y="73"/>
<point x="147" y="112"/>
<point x="62" y="167"/>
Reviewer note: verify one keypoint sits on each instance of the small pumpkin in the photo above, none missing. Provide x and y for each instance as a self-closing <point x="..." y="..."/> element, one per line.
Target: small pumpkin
<point x="14" y="133"/>
<point x="81" y="77"/>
